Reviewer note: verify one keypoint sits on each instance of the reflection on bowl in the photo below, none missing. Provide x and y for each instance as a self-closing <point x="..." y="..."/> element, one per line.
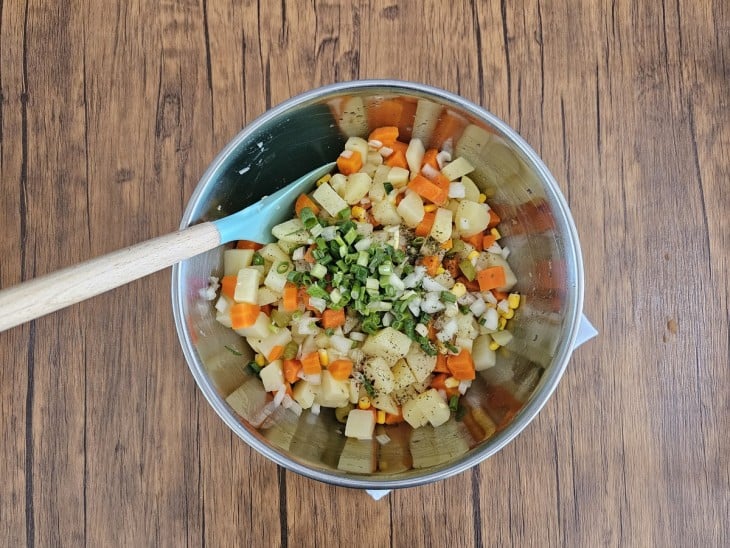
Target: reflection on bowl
<point x="310" y="130"/>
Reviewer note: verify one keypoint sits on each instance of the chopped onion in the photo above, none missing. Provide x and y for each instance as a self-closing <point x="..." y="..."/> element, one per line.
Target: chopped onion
<point x="503" y="305"/>
<point x="415" y="277"/>
<point x="387" y="319"/>
<point x="313" y="379"/>
<point x="222" y="305"/>
<point x="447" y="331"/>
<point x="466" y="299"/>
<point x="431" y="304"/>
<point x="491" y="319"/>
<point x="478" y="307"/>
<point x="396" y="282"/>
<point x="340" y="343"/>
<point x="318" y="303"/>
<point x="279" y="396"/>
<point x="457" y="190"/>
<point x="315" y="409"/>
<point x="357" y="336"/>
<point x="442" y="158"/>
<point x="421" y="329"/>
<point x="346" y="154"/>
<point x="329" y="233"/>
<point x="429" y="284"/>
<point x="375" y="143"/>
<point x="451" y="310"/>
<point x="385" y="151"/>
<point x="448" y="145"/>
<point x="505" y="252"/>
<point x="429" y="171"/>
<point x="464" y="386"/>
<point x="364" y="229"/>
<point x="495" y="248"/>
<point x="298" y="254"/>
<point x="489" y="297"/>
<point x="364" y="244"/>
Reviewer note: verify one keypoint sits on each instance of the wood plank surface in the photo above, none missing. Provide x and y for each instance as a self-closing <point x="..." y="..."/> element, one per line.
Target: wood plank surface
<point x="110" y="112"/>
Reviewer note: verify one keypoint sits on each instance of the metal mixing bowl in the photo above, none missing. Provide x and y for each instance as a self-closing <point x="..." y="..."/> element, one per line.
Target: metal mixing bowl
<point x="310" y="130"/>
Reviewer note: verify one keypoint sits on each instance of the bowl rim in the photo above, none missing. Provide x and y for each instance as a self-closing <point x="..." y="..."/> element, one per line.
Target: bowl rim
<point x="549" y="380"/>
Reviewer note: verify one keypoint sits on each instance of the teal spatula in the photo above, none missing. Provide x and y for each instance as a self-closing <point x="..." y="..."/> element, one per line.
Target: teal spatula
<point x="34" y="298"/>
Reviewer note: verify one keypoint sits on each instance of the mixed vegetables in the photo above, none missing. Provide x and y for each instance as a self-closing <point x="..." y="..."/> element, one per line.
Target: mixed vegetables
<point x="383" y="295"/>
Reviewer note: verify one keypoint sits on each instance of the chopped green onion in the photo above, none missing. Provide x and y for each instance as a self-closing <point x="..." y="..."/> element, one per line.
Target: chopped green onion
<point x="290" y="350"/>
<point x="460" y="412"/>
<point x="454" y="403"/>
<point x="254" y="367"/>
<point x="368" y="386"/>
<point x="308" y="218"/>
<point x="315" y="291"/>
<point x="282" y="267"/>
<point x="385" y="269"/>
<point x="388" y="187"/>
<point x="448" y="297"/>
<point x="257" y="258"/>
<point x="418" y="241"/>
<point x="344" y="214"/>
<point x="318" y="271"/>
<point x="453" y="349"/>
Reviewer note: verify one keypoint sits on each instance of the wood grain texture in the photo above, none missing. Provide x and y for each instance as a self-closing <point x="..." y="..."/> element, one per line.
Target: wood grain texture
<point x="110" y="111"/>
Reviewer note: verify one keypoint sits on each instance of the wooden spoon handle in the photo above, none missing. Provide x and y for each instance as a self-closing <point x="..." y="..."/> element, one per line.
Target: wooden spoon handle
<point x="43" y="295"/>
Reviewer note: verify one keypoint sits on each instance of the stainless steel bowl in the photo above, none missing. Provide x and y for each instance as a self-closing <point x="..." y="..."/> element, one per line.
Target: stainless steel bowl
<point x="310" y="130"/>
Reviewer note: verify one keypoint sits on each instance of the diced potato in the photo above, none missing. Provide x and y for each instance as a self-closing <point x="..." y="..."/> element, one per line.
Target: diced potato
<point x="466" y="326"/>
<point x="381" y="175"/>
<point x="421" y="364"/>
<point x="414" y="155"/>
<point x="483" y="356"/>
<point x="358" y="144"/>
<point x="445" y="279"/>
<point x="276" y="279"/>
<point x="222" y="308"/>
<point x="433" y="407"/>
<point x="471" y="217"/>
<point x="247" y="285"/>
<point x="352" y="119"/>
<point x="502" y="338"/>
<point x="388" y="343"/>
<point x="377" y="191"/>
<point x="385" y="213"/>
<point x="471" y="191"/>
<point x="236" y="259"/>
<point x="291" y="231"/>
<point x="332" y="393"/>
<point x="403" y="375"/>
<point x="398" y="176"/>
<point x="464" y="343"/>
<point x="260" y="328"/>
<point x="274" y="254"/>
<point x="410" y="209"/>
<point x="248" y="400"/>
<point x="413" y="414"/>
<point x="304" y="393"/>
<point x="386" y="403"/>
<point x="281" y="338"/>
<point x="360" y="424"/>
<point x="329" y="199"/>
<point x="441" y="230"/>
<point x="378" y="372"/>
<point x="458" y="168"/>
<point x="374" y="158"/>
<point x="427" y="115"/>
<point x="338" y="182"/>
<point x="354" y="390"/>
<point x="357" y="187"/>
<point x="267" y="295"/>
<point x="273" y="376"/>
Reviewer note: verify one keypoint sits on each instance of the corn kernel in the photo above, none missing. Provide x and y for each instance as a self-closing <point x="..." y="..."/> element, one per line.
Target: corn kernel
<point x="493" y="345"/>
<point x="260" y="360"/>
<point x="509" y="314"/>
<point x="494" y="232"/>
<point x="482" y="198"/>
<point x="323" y="179"/>
<point x="428" y="208"/>
<point x="473" y="255"/>
<point x="364" y="403"/>
<point x="459" y="289"/>
<point x="324" y="357"/>
<point x="380" y="417"/>
<point x="514" y="301"/>
<point x="501" y="323"/>
<point x="451" y="382"/>
<point x="440" y="270"/>
<point x="358" y="212"/>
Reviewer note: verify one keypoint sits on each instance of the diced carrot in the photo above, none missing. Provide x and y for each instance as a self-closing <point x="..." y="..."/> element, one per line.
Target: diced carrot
<point x="428" y="190"/>
<point x="474" y="240"/>
<point x="308" y="257"/>
<point x="391" y="418"/>
<point x="488" y="240"/>
<point x="291" y="370"/>
<point x="491" y="277"/>
<point x="289" y="299"/>
<point x="248" y="244"/>
<point x="340" y="369"/>
<point x="461" y="366"/>
<point x="441" y="364"/>
<point x="494" y="219"/>
<point x="438" y="382"/>
<point x="397" y="159"/>
<point x="333" y="318"/>
<point x="432" y="263"/>
<point x="450" y="126"/>
<point x="349" y="164"/>
<point x="448" y="244"/>
<point x="500" y="295"/>
<point x="305" y="201"/>
<point x="431" y="330"/>
<point x="423" y="228"/>
<point x="451" y="265"/>
<point x="399" y="145"/>
<point x="311" y="364"/>
<point x="244" y="315"/>
<point x="276" y="353"/>
<point x="430" y="158"/>
<point x="385" y="134"/>
<point x="228" y="285"/>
